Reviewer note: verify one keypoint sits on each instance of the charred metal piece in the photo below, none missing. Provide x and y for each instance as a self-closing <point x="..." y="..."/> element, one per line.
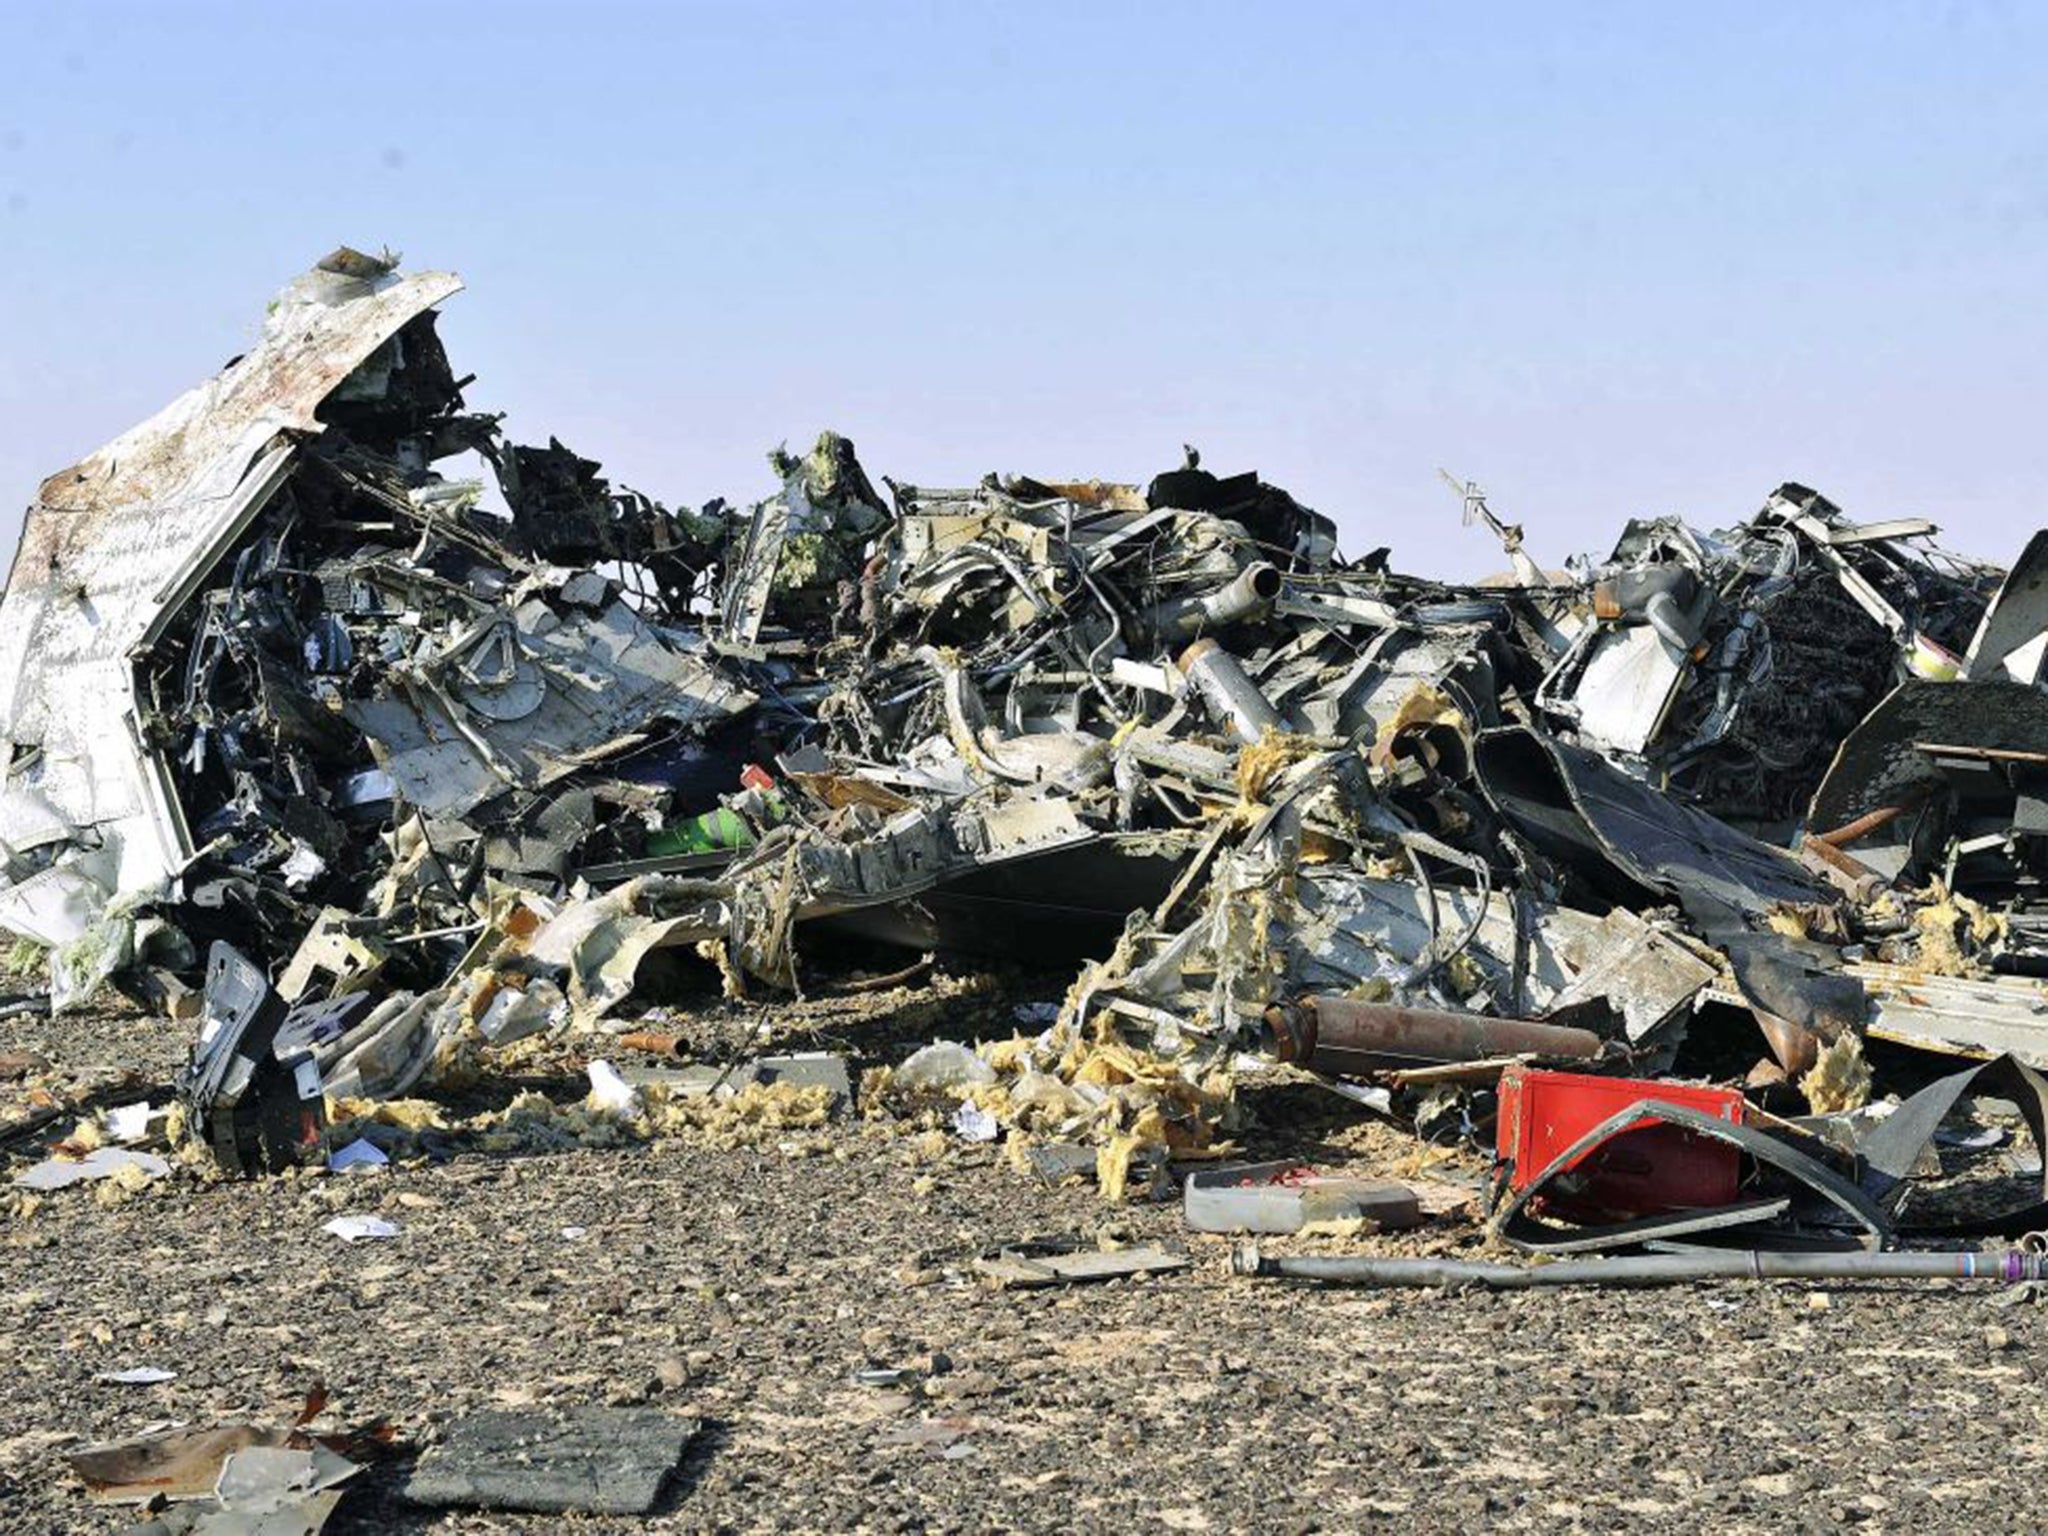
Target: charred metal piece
<point x="256" y="1107"/>
<point x="1892" y="1150"/>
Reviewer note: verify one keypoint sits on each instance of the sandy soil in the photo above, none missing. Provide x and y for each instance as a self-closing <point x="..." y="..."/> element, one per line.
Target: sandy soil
<point x="747" y="1285"/>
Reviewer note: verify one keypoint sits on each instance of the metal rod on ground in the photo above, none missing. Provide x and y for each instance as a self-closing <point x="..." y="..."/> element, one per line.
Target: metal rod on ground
<point x="1340" y="1034"/>
<point x="909" y="973"/>
<point x="2008" y="1266"/>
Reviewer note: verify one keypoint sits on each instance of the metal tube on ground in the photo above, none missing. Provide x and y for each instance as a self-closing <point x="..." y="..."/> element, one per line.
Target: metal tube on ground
<point x="1248" y="595"/>
<point x="2008" y="1266"/>
<point x="655" y="1044"/>
<point x="1341" y="1034"/>
<point x="1228" y="692"/>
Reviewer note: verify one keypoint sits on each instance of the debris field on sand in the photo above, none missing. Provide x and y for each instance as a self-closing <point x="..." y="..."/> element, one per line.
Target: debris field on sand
<point x="1679" y="910"/>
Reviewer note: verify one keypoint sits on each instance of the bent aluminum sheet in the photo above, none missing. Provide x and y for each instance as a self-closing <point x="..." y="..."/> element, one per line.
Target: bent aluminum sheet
<point x="1957" y="1015"/>
<point x="601" y="680"/>
<point x="116" y="542"/>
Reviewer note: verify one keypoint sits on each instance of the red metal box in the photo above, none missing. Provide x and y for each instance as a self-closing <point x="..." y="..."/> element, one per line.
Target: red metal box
<point x="1643" y="1172"/>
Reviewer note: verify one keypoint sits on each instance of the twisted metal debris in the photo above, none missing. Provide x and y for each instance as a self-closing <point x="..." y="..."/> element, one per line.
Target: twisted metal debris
<point x="440" y="759"/>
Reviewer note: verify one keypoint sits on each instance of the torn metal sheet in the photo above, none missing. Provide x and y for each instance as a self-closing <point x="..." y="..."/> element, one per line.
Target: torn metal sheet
<point x="1947" y="780"/>
<point x="1644" y="974"/>
<point x="1965" y="1016"/>
<point x="1625" y="684"/>
<point x="120" y="538"/>
<point x="100" y="1163"/>
<point x="1634" y="843"/>
<point x="1893" y="1148"/>
<point x="2012" y="640"/>
<point x="591" y="682"/>
<point x="176" y="1464"/>
<point x="1637" y="846"/>
<point x="1286" y="1197"/>
<point x="1036" y="1263"/>
<point x="752" y="574"/>
<point x="1352" y="926"/>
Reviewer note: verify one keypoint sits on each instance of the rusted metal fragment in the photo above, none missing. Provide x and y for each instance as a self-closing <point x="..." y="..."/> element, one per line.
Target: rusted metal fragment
<point x="1341" y="1034"/>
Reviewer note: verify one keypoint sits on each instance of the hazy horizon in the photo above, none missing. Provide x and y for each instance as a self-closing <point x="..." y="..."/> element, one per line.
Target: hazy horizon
<point x="1608" y="262"/>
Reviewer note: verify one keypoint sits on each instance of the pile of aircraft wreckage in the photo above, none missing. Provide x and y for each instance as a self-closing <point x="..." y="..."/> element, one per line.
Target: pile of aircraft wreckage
<point x="305" y="738"/>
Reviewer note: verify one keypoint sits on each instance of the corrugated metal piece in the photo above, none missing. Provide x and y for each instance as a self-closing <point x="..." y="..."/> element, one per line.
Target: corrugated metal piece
<point x="1957" y="1015"/>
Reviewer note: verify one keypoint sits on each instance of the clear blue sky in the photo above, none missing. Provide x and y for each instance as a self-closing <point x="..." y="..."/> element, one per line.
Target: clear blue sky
<point x="1607" y="259"/>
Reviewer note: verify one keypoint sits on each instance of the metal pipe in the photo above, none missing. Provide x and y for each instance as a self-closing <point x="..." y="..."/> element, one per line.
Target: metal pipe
<point x="1862" y="826"/>
<point x="1228" y="692"/>
<point x="2008" y="1266"/>
<point x="654" y="1043"/>
<point x="1658" y="595"/>
<point x="1248" y="595"/>
<point x="1668" y="619"/>
<point x="1343" y="1035"/>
